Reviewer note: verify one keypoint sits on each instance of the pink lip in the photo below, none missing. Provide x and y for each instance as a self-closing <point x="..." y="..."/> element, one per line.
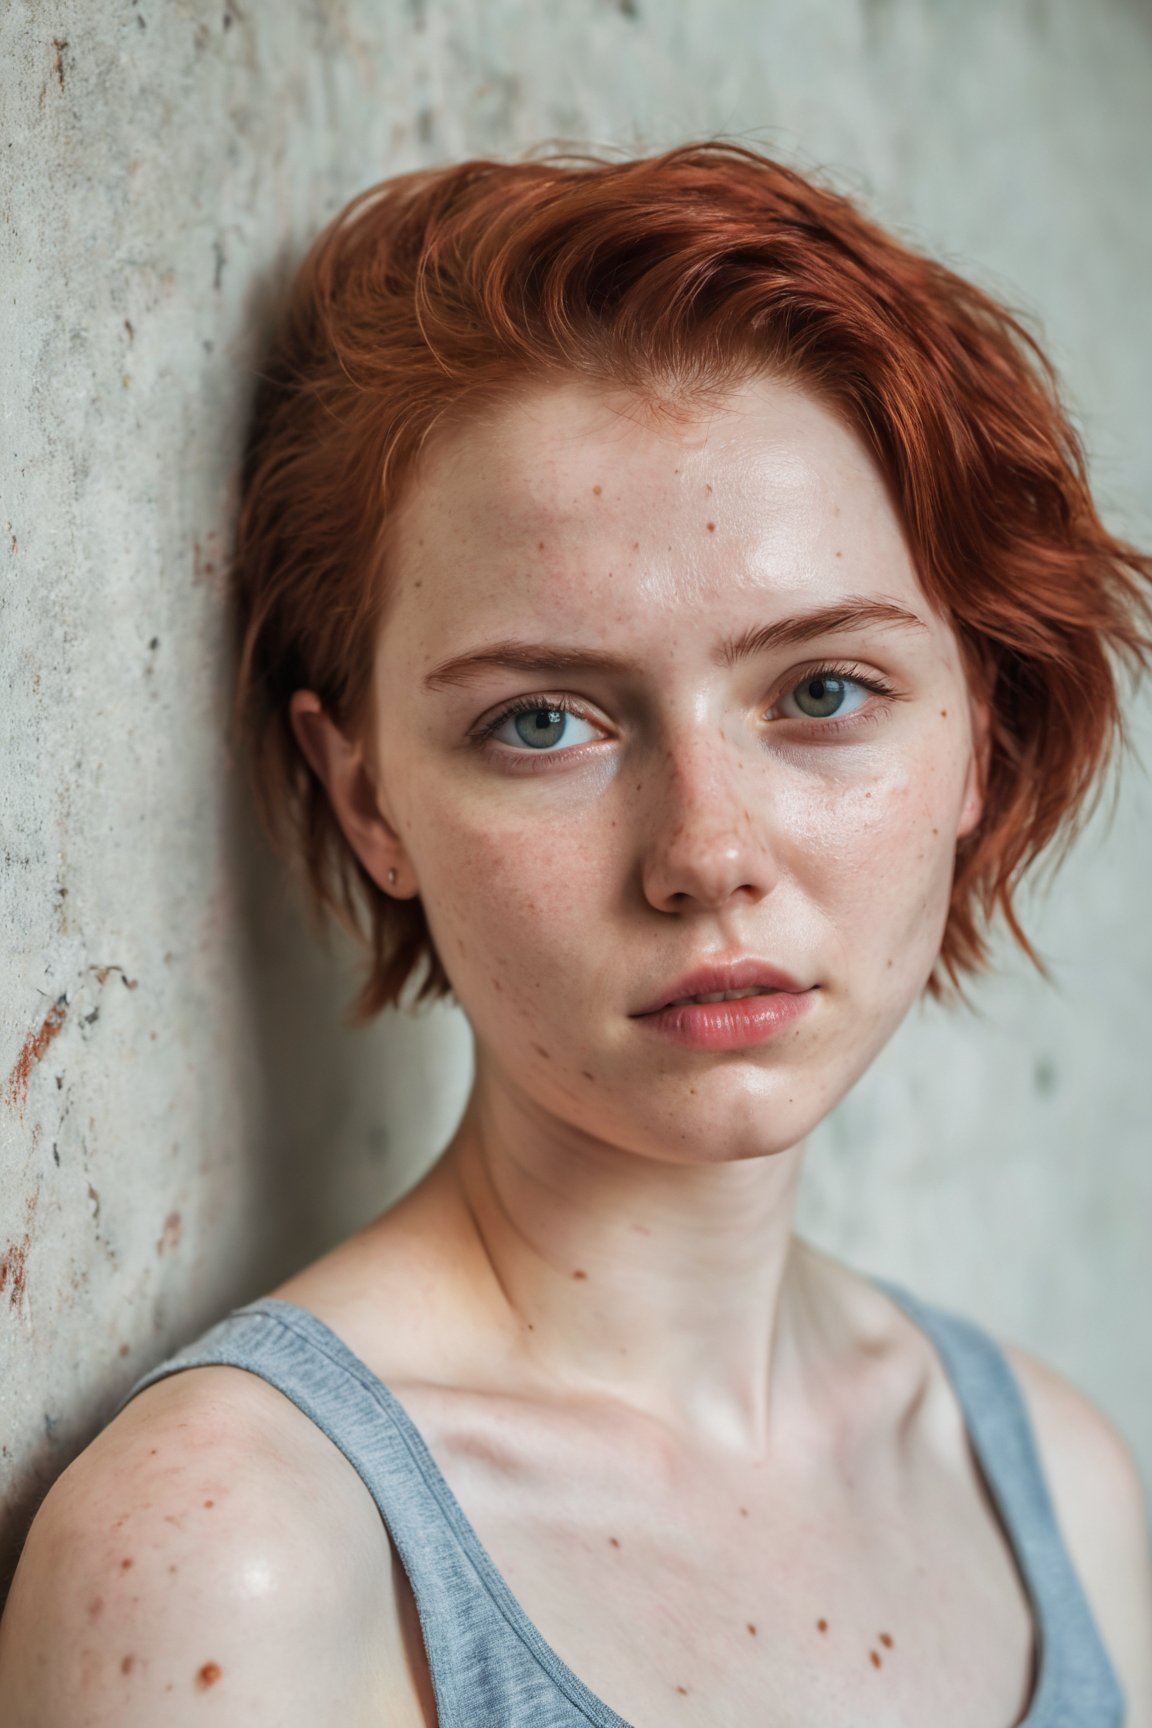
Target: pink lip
<point x="727" y="1025"/>
<point x="742" y="974"/>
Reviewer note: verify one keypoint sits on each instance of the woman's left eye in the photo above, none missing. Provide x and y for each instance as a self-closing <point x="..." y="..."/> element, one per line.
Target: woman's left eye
<point x="538" y="725"/>
<point x="826" y="695"/>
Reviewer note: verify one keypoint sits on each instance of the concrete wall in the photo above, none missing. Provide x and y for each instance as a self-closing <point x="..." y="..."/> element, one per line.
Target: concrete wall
<point x="183" y="1118"/>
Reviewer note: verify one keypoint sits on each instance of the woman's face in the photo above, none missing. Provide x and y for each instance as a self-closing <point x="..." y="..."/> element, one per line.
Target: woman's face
<point x="755" y="740"/>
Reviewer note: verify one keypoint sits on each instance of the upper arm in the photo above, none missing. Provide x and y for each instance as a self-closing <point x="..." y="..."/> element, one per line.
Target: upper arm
<point x="1101" y="1509"/>
<point x="184" y="1569"/>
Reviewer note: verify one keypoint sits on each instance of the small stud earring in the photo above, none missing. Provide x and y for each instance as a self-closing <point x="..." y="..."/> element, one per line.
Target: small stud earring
<point x="392" y="878"/>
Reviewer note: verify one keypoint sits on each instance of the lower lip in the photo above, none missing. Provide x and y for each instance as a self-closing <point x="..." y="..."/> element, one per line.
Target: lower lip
<point x="729" y="1025"/>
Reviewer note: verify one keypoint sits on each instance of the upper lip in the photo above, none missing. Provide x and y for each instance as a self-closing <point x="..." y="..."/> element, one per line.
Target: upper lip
<point x="742" y="974"/>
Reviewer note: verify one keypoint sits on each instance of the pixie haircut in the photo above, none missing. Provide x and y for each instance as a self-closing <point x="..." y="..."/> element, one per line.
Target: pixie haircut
<point x="437" y="293"/>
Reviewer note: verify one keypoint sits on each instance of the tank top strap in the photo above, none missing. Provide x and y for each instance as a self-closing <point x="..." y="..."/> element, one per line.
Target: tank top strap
<point x="1077" y="1685"/>
<point x="483" y="1666"/>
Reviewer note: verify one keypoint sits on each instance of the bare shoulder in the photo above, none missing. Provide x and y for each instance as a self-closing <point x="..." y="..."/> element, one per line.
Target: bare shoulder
<point x="1100" y="1505"/>
<point x="209" y="1556"/>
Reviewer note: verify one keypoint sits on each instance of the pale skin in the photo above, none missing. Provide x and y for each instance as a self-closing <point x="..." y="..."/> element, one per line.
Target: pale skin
<point x="720" y="1471"/>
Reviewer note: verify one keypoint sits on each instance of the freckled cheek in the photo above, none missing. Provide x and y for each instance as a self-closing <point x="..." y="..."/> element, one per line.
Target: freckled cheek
<point x="873" y="854"/>
<point x="511" y="900"/>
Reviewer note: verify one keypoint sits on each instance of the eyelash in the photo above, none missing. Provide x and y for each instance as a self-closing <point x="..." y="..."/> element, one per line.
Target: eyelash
<point x="878" y="685"/>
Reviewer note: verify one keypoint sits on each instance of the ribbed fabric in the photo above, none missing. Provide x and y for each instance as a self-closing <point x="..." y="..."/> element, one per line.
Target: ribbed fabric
<point x="490" y="1666"/>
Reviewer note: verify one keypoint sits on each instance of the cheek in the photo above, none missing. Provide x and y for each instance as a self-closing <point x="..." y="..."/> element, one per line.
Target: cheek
<point x="511" y="894"/>
<point x="875" y="856"/>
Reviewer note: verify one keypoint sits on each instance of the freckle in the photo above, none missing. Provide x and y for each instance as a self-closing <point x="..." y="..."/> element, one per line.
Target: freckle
<point x="821" y="1625"/>
<point x="126" y="1664"/>
<point x="839" y="554"/>
<point x="124" y="1564"/>
<point x="615" y="1541"/>
<point x="935" y="830"/>
<point x="943" y="713"/>
<point x="711" y="527"/>
<point x="152" y="1453"/>
<point x="208" y="1675"/>
<point x="683" y="1691"/>
<point x="539" y="545"/>
<point x="586" y="1074"/>
<point x="874" y="1658"/>
<point x="209" y="1503"/>
<point x="497" y="986"/>
<point x="743" y="1511"/>
<point x="597" y="490"/>
<point x="173" y="1568"/>
<point x="691" y="1091"/>
<point x="579" y="1274"/>
<point x="96" y="1608"/>
<point x="751" y="1628"/>
<point x="708" y="487"/>
<point x="885" y="1640"/>
<point x="540" y="1051"/>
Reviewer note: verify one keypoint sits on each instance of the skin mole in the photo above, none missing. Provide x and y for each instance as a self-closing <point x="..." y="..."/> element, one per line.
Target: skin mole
<point x="752" y="1629"/>
<point x="127" y="1664"/>
<point x="579" y="1275"/>
<point x="821" y="1625"/>
<point x="874" y="1658"/>
<point x="208" y="1675"/>
<point x="885" y="1640"/>
<point x="615" y="1541"/>
<point x="125" y="1563"/>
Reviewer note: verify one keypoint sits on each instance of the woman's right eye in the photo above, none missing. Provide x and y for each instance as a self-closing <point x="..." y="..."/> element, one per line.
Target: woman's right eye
<point x="537" y="725"/>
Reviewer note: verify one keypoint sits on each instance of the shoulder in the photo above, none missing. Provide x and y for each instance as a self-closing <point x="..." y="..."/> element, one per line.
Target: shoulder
<point x="203" y="1546"/>
<point x="1100" y="1505"/>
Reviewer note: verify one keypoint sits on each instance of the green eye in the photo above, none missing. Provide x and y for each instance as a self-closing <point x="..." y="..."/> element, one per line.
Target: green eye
<point x="540" y="727"/>
<point x="822" y="695"/>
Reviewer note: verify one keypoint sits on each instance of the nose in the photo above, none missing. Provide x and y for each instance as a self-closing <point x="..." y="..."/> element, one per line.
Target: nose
<point x="707" y="827"/>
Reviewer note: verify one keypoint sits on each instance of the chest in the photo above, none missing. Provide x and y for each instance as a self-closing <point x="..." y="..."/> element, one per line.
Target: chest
<point x="684" y="1591"/>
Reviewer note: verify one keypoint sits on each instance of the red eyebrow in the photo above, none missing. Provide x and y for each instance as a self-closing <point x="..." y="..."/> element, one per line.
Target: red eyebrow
<point x="784" y="633"/>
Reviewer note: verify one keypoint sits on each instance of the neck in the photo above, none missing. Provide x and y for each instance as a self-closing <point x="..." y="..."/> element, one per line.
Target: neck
<point x="674" y="1286"/>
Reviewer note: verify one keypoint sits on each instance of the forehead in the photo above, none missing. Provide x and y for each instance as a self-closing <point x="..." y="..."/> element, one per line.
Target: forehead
<point x="571" y="500"/>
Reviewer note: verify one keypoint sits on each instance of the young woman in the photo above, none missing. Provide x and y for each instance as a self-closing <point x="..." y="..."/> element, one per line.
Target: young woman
<point x="674" y="615"/>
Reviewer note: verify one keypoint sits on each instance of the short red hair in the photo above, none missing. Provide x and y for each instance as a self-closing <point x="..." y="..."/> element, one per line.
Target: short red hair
<point x="435" y="293"/>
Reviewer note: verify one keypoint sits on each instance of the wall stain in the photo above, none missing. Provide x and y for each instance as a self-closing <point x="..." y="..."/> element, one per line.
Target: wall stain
<point x="34" y="1049"/>
<point x="170" y="1237"/>
<point x="14" y="1259"/>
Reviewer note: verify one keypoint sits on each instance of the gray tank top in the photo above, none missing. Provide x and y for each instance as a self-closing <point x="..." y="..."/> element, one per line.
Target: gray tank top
<point x="490" y="1667"/>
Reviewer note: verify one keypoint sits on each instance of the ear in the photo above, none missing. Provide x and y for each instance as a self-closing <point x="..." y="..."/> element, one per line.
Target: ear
<point x="976" y="778"/>
<point x="353" y="793"/>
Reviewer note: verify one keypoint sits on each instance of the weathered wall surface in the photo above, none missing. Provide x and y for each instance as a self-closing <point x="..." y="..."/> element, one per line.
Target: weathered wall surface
<point x="183" y="1117"/>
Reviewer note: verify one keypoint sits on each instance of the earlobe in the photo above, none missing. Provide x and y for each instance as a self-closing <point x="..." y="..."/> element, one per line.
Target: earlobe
<point x="339" y="766"/>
